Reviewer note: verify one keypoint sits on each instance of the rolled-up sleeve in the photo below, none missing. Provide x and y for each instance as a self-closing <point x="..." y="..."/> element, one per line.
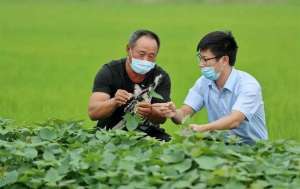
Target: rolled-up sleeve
<point x="103" y="80"/>
<point x="249" y="100"/>
<point x="195" y="97"/>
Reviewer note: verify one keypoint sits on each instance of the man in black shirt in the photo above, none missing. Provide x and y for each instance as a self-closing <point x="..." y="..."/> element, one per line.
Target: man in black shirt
<point x="119" y="81"/>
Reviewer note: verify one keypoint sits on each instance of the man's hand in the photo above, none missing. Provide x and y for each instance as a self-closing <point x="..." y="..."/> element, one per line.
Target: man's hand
<point x="121" y="97"/>
<point x="224" y="123"/>
<point x="198" y="128"/>
<point x="144" y="109"/>
<point x="167" y="109"/>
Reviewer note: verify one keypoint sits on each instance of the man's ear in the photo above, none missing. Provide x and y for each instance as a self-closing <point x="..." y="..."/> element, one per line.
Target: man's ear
<point x="225" y="59"/>
<point x="127" y="49"/>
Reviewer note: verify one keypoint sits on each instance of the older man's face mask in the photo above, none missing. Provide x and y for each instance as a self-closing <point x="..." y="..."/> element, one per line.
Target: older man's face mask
<point x="141" y="66"/>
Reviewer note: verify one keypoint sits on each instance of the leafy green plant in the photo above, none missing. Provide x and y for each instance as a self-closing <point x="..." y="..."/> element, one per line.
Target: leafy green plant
<point x="131" y="119"/>
<point x="61" y="154"/>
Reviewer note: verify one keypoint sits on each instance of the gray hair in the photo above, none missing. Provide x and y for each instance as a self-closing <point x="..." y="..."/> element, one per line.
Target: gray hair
<point x="140" y="33"/>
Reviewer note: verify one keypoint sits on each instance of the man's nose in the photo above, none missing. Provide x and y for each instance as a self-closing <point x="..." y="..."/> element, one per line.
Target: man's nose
<point x="201" y="64"/>
<point x="147" y="58"/>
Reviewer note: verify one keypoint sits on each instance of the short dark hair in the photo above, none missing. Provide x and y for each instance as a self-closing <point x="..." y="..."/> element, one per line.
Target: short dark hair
<point x="140" y="33"/>
<point x="220" y="43"/>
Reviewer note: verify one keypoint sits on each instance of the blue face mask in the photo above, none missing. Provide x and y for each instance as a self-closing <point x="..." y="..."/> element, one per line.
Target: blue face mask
<point x="141" y="66"/>
<point x="210" y="73"/>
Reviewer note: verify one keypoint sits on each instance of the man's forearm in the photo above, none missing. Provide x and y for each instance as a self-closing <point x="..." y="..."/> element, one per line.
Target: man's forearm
<point x="102" y="109"/>
<point x="225" y="123"/>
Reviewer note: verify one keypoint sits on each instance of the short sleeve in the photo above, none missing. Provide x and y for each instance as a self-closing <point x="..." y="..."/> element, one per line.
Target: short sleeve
<point x="103" y="80"/>
<point x="248" y="100"/>
<point x="164" y="89"/>
<point x="195" y="97"/>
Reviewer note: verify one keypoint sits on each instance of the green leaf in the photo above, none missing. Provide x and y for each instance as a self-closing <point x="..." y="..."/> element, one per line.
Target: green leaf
<point x="48" y="156"/>
<point x="154" y="94"/>
<point x="208" y="162"/>
<point x="9" y="178"/>
<point x="169" y="172"/>
<point x="172" y="155"/>
<point x="101" y="136"/>
<point x="242" y="157"/>
<point x="47" y="134"/>
<point x="294" y="149"/>
<point x="183" y="166"/>
<point x="259" y="184"/>
<point x="30" y="153"/>
<point x="52" y="176"/>
<point x="126" y="165"/>
<point x="108" y="158"/>
<point x="192" y="175"/>
<point x="64" y="165"/>
<point x="132" y="121"/>
<point x="223" y="171"/>
<point x="181" y="184"/>
<point x="234" y="184"/>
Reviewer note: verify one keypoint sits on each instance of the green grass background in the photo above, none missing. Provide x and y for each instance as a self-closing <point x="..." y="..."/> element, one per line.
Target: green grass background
<point x="50" y="52"/>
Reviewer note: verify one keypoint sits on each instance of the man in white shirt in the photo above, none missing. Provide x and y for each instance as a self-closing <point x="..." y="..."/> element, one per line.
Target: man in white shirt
<point x="233" y="98"/>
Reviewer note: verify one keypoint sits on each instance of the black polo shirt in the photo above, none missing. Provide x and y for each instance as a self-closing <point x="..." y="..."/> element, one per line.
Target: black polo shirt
<point x="113" y="76"/>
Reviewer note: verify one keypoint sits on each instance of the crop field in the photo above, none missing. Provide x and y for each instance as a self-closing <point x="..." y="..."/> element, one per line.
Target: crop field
<point x="50" y="52"/>
<point x="61" y="154"/>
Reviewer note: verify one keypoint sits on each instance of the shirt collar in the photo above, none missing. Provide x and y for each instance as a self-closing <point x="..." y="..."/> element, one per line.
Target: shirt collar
<point x="230" y="83"/>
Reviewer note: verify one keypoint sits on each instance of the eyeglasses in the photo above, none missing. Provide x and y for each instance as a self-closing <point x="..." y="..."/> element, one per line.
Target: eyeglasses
<point x="200" y="58"/>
